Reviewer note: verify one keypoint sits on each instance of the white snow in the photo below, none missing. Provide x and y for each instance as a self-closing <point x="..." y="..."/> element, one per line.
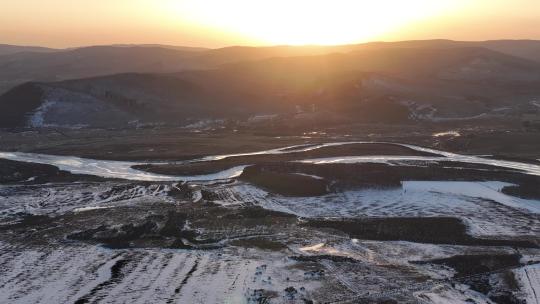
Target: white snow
<point x="443" y="294"/>
<point x="64" y="275"/>
<point x="485" y="190"/>
<point x="123" y="169"/>
<point x="485" y="210"/>
<point x="112" y="169"/>
<point x="37" y="118"/>
<point x="309" y="175"/>
<point x="79" y="197"/>
<point x="447" y="133"/>
<point x="529" y="279"/>
<point x="89" y="208"/>
<point x="444" y="156"/>
<point x="383" y="159"/>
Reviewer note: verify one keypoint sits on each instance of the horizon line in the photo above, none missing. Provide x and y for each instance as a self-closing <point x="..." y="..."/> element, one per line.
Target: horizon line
<point x="252" y="46"/>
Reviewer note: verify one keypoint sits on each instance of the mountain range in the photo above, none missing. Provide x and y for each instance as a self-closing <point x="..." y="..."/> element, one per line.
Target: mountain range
<point x="124" y="85"/>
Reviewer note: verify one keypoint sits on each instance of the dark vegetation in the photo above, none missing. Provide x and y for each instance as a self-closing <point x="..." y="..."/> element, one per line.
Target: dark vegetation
<point x="436" y="230"/>
<point x="32" y="173"/>
<point x="259" y="243"/>
<point x="169" y="144"/>
<point x="333" y="176"/>
<point x="317" y="258"/>
<point x="29" y="221"/>
<point x="278" y="177"/>
<point x="181" y="191"/>
<point x="529" y="189"/>
<point x="155" y="231"/>
<point x="287" y="184"/>
<point x="466" y="265"/>
<point x="22" y="100"/>
<point x="193" y="226"/>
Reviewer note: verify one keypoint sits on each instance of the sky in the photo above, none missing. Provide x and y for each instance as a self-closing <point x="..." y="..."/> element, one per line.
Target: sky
<point x="217" y="23"/>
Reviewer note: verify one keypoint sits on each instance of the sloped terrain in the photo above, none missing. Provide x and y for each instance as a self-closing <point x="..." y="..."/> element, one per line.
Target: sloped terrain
<point x="385" y="173"/>
<point x="6" y="49"/>
<point x="21" y="63"/>
<point x="392" y="85"/>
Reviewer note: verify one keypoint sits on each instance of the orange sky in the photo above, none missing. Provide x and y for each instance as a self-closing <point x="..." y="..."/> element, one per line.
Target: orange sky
<point x="68" y="23"/>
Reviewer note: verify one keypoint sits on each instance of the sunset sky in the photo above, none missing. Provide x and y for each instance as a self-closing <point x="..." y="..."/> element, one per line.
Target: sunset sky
<point x="68" y="23"/>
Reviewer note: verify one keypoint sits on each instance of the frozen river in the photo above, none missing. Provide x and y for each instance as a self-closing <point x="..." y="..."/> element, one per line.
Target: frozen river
<point x="124" y="169"/>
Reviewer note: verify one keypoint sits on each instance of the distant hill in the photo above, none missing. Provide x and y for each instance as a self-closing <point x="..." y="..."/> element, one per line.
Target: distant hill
<point x="6" y="49"/>
<point x="165" y="46"/>
<point x="91" y="61"/>
<point x="24" y="64"/>
<point x="379" y="84"/>
<point x="528" y="49"/>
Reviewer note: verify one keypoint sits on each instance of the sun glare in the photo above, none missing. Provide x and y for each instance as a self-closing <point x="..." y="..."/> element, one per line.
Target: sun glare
<point x="308" y="21"/>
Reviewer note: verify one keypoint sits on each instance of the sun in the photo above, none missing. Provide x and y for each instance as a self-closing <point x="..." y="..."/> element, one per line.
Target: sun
<point x="298" y="22"/>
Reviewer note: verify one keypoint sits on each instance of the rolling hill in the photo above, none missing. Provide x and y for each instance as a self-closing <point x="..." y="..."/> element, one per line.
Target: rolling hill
<point x="377" y="84"/>
<point x="24" y="64"/>
<point x="7" y="49"/>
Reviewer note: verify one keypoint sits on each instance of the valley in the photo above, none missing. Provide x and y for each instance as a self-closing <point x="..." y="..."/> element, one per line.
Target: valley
<point x="384" y="172"/>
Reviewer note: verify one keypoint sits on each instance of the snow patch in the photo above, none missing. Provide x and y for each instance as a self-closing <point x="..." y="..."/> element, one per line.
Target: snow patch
<point x="529" y="279"/>
<point x="37" y="118"/>
<point x="447" y="133"/>
<point x="484" y="209"/>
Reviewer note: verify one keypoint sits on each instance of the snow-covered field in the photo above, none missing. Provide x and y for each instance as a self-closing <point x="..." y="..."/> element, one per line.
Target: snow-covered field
<point x="61" y="198"/>
<point x="308" y="265"/>
<point x="484" y="208"/>
<point x="76" y="273"/>
<point x="529" y="278"/>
